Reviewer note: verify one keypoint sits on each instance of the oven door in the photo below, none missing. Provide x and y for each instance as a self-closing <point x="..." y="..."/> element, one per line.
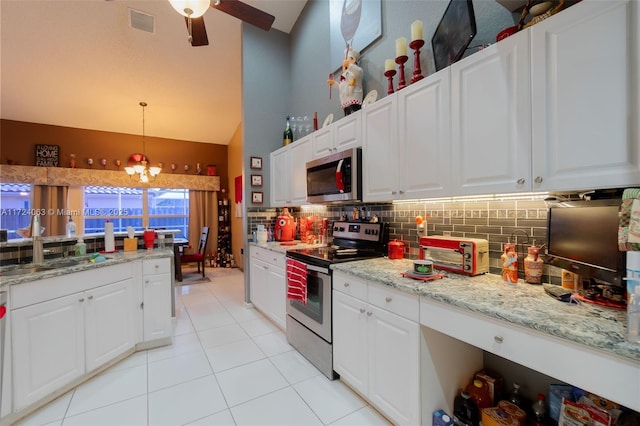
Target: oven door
<point x="451" y="259"/>
<point x="316" y="314"/>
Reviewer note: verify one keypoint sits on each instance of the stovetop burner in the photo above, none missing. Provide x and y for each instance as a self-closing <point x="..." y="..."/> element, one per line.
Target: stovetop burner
<point x="352" y="241"/>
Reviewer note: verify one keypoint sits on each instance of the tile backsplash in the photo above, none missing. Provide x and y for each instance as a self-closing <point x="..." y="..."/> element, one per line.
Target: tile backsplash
<point x="521" y="221"/>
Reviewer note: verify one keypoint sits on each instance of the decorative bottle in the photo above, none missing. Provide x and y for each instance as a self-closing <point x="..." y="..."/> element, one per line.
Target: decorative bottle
<point x="509" y="260"/>
<point x="287" y="138"/>
<point x="70" y="228"/>
<point x="515" y="397"/>
<point x="633" y="311"/>
<point x="533" y="266"/>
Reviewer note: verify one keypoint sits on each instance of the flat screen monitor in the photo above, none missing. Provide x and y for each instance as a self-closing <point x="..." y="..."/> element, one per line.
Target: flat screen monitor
<point x="454" y="33"/>
<point x="582" y="237"/>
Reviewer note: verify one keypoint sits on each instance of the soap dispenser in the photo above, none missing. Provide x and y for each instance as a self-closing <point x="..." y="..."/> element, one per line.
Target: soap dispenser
<point x="81" y="248"/>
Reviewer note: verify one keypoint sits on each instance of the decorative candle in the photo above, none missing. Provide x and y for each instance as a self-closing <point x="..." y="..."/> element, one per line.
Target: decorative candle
<point x="416" y="30"/>
<point x="389" y="64"/>
<point x="401" y="47"/>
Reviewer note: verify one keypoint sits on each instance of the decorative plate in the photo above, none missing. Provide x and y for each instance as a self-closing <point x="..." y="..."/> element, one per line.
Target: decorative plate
<point x="328" y="120"/>
<point x="371" y="97"/>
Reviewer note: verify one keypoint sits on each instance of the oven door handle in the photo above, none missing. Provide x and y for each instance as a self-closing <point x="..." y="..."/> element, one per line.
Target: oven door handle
<point x="318" y="269"/>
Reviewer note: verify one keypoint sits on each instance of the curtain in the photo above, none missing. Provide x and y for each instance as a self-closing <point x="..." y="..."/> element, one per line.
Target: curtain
<point x="52" y="200"/>
<point x="203" y="211"/>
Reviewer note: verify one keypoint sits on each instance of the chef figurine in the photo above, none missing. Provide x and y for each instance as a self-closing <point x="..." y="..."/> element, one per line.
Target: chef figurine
<point x="350" y="85"/>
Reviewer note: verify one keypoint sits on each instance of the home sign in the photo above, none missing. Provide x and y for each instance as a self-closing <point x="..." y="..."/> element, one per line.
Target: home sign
<point x="47" y="155"/>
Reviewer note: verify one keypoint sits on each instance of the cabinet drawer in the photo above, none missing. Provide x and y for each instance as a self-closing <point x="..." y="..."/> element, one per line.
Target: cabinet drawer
<point x="400" y="303"/>
<point x="268" y="256"/>
<point x="350" y="285"/>
<point x="156" y="266"/>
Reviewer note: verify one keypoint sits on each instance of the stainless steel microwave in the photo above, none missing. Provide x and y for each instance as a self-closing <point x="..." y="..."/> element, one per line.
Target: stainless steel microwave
<point x="335" y="178"/>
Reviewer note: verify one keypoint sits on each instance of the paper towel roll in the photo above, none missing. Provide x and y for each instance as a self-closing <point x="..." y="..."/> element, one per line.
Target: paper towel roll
<point x="109" y="239"/>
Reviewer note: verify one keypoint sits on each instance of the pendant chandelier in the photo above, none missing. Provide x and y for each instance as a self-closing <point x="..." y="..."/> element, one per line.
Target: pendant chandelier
<point x="138" y="162"/>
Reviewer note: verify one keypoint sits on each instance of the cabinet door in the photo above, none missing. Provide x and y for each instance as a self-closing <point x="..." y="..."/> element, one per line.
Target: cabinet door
<point x="299" y="154"/>
<point x="582" y="98"/>
<point x="350" y="341"/>
<point x="157" y="306"/>
<point x="108" y="322"/>
<point x="48" y="347"/>
<point x="277" y="292"/>
<point x="394" y="365"/>
<point x="380" y="153"/>
<point x="322" y="140"/>
<point x="279" y="177"/>
<point x="425" y="137"/>
<point x="259" y="284"/>
<point x="490" y="119"/>
<point x="348" y="132"/>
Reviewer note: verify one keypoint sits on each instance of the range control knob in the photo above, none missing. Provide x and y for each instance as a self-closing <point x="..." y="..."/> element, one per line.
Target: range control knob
<point x="467" y="267"/>
<point x="467" y="255"/>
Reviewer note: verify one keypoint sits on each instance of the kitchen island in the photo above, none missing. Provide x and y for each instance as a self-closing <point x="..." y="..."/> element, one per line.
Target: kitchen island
<point x="71" y="318"/>
<point x="468" y="315"/>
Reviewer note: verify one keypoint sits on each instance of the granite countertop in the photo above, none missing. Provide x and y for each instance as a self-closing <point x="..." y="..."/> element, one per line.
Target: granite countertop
<point x="277" y="247"/>
<point x="18" y="242"/>
<point x="65" y="266"/>
<point x="523" y="304"/>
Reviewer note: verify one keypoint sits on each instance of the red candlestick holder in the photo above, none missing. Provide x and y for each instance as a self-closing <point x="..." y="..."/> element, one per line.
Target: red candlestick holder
<point x="417" y="71"/>
<point x="400" y="60"/>
<point x="389" y="74"/>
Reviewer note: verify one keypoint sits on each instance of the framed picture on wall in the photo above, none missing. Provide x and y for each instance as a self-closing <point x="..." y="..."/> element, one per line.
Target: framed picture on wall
<point x="256" y="163"/>
<point x="256" y="180"/>
<point x="256" y="197"/>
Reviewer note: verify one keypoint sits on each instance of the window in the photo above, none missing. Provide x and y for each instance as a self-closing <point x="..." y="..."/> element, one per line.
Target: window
<point x="169" y="209"/>
<point x="16" y="205"/>
<point x="157" y="207"/>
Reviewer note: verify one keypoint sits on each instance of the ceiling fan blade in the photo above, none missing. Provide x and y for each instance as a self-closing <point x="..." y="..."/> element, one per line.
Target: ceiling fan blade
<point x="245" y="12"/>
<point x="198" y="31"/>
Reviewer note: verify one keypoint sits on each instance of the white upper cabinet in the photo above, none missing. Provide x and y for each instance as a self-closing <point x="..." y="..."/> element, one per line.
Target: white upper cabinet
<point x="424" y="137"/>
<point x="288" y="177"/>
<point x="339" y="136"/>
<point x="380" y="151"/>
<point x="584" y="98"/>
<point x="490" y="119"/>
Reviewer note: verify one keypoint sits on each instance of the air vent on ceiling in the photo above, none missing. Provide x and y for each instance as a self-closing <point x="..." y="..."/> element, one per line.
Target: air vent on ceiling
<point x="142" y="21"/>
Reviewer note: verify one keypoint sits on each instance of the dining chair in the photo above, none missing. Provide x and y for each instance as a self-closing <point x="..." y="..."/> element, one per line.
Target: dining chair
<point x="200" y="255"/>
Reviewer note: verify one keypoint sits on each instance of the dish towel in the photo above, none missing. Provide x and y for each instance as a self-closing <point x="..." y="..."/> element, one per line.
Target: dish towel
<point x="296" y="280"/>
<point x="629" y="226"/>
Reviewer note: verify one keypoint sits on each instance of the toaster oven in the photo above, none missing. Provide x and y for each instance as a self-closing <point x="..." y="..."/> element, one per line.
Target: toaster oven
<point x="469" y="256"/>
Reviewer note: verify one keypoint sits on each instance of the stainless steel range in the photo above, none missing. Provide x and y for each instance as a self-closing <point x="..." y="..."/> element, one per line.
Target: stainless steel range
<point x="309" y="326"/>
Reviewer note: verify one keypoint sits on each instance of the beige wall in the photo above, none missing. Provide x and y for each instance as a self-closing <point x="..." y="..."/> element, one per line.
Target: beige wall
<point x="235" y="156"/>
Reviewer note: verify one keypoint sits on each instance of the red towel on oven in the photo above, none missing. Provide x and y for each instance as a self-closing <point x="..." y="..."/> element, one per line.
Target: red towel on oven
<point x="296" y="280"/>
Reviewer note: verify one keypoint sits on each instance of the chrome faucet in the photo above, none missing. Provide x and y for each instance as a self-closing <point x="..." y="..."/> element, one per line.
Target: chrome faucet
<point x="38" y="252"/>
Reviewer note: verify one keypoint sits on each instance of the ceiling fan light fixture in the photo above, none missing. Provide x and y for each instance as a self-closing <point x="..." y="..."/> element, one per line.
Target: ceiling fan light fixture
<point x="190" y="8"/>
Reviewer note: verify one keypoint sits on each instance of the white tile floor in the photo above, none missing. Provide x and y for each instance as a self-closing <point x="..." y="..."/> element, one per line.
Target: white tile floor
<point x="228" y="365"/>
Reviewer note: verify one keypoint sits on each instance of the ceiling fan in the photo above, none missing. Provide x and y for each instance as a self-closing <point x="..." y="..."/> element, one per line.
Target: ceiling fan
<point x="193" y="11"/>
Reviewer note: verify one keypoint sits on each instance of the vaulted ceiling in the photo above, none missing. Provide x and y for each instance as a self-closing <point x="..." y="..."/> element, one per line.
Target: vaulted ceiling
<point x="79" y="63"/>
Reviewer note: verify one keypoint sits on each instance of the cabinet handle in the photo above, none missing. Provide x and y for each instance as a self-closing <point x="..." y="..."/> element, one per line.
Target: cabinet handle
<point x="521" y="181"/>
<point x="388" y="298"/>
<point x="266" y="268"/>
<point x="538" y="179"/>
<point x="81" y="300"/>
<point x="498" y="339"/>
<point x="394" y="192"/>
<point x="146" y="281"/>
<point x="369" y="313"/>
<point x="362" y="310"/>
<point x="346" y="284"/>
<point x="401" y="192"/>
<point x="142" y="305"/>
<point x="90" y="297"/>
<point x="156" y="266"/>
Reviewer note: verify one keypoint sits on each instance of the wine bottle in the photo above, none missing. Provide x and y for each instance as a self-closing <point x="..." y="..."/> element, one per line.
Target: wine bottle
<point x="288" y="134"/>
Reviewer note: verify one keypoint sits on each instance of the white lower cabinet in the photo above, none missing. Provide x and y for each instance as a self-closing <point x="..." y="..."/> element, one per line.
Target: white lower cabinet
<point x="66" y="327"/>
<point x="268" y="284"/>
<point x="48" y="347"/>
<point x="376" y="351"/>
<point x="60" y="340"/>
<point x="156" y="292"/>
